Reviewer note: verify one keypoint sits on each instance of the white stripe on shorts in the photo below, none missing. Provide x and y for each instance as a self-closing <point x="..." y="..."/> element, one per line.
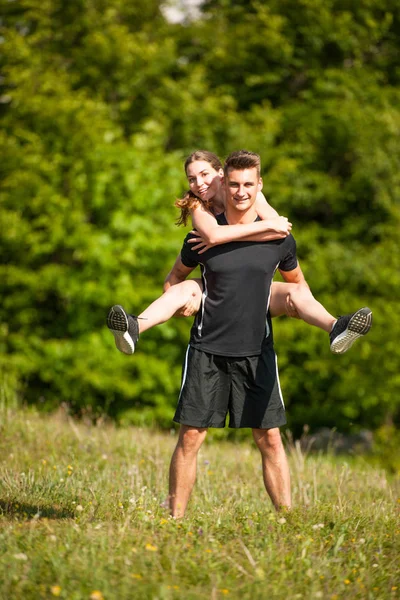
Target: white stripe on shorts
<point x="184" y="371"/>
<point x="277" y="379"/>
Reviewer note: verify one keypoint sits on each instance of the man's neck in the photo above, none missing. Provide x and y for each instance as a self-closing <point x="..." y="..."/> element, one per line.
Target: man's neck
<point x="238" y="217"/>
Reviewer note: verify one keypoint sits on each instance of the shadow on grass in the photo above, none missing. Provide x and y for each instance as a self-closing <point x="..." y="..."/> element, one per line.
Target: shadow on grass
<point x="23" y="511"/>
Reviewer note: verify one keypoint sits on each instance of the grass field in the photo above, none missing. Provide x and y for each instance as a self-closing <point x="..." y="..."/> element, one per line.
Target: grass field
<point x="81" y="517"/>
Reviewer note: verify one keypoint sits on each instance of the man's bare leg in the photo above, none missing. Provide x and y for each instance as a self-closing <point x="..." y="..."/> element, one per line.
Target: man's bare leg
<point x="274" y="465"/>
<point x="304" y="303"/>
<point x="182" y="471"/>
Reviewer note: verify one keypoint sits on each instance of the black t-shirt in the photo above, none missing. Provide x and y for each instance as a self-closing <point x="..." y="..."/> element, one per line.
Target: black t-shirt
<point x="237" y="276"/>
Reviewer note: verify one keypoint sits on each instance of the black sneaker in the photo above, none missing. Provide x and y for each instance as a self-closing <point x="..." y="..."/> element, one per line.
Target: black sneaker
<point x="348" y="328"/>
<point x="125" y="329"/>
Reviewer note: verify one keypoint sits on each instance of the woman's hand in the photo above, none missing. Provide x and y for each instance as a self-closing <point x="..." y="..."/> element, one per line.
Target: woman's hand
<point x="280" y="225"/>
<point x="200" y="241"/>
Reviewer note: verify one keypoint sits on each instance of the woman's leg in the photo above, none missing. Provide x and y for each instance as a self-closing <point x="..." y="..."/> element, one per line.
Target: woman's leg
<point x="296" y="300"/>
<point x="180" y="300"/>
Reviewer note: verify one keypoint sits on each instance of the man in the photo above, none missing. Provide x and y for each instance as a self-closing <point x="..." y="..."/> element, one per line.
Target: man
<point x="230" y="365"/>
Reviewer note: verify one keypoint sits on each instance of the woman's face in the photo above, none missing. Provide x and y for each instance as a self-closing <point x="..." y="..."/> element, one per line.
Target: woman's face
<point x="204" y="180"/>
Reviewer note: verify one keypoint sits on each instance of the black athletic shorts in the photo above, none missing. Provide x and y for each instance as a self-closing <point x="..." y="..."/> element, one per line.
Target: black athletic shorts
<point x="245" y="387"/>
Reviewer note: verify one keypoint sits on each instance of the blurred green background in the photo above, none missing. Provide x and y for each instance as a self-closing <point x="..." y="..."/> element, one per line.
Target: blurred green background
<point x="100" y="102"/>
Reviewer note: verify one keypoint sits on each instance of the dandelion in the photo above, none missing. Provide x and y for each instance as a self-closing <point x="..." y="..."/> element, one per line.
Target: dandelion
<point x="163" y="521"/>
<point x="224" y="591"/>
<point x="96" y="595"/>
<point x="394" y="588"/>
<point x="151" y="548"/>
<point x="136" y="576"/>
<point x="44" y="461"/>
<point x="55" y="590"/>
<point x="347" y="581"/>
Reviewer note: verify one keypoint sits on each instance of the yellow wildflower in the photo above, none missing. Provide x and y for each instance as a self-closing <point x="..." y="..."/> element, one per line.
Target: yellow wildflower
<point x="151" y="548"/>
<point x="55" y="590"/>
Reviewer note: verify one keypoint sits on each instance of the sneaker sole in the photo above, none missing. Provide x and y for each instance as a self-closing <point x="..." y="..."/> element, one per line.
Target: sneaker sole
<point x="117" y="323"/>
<point x="359" y="324"/>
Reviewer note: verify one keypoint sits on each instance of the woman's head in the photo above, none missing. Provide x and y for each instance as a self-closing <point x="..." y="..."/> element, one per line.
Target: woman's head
<point x="204" y="173"/>
<point x="205" y="156"/>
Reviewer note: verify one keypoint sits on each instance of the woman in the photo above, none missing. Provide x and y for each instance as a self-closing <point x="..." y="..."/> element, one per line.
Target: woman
<point x="202" y="202"/>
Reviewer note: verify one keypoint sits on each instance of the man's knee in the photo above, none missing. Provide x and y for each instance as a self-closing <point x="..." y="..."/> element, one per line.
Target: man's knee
<point x="268" y="441"/>
<point x="191" y="438"/>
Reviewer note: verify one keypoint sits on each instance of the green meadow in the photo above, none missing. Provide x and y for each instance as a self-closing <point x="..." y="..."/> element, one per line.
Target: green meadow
<point x="82" y="516"/>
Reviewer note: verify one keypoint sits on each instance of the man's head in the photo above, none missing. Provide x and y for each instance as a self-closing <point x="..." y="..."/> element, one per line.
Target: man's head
<point x="241" y="160"/>
<point x="242" y="182"/>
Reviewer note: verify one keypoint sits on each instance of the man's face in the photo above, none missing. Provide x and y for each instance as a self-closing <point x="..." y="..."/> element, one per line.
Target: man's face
<point x="242" y="188"/>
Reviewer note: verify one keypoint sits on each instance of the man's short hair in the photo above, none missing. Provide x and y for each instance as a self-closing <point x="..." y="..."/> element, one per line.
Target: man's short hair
<point x="242" y="159"/>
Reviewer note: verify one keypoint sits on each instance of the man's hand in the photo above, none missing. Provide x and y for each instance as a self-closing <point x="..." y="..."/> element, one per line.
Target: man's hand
<point x="191" y="307"/>
<point x="291" y="309"/>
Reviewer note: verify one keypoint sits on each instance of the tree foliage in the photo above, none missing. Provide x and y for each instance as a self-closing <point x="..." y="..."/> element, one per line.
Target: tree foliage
<point x="100" y="102"/>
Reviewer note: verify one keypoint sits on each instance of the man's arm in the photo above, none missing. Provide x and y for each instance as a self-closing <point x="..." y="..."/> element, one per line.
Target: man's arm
<point x="294" y="276"/>
<point x="178" y="273"/>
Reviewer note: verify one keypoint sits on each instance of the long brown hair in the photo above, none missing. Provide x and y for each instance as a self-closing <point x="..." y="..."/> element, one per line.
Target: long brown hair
<point x="190" y="201"/>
